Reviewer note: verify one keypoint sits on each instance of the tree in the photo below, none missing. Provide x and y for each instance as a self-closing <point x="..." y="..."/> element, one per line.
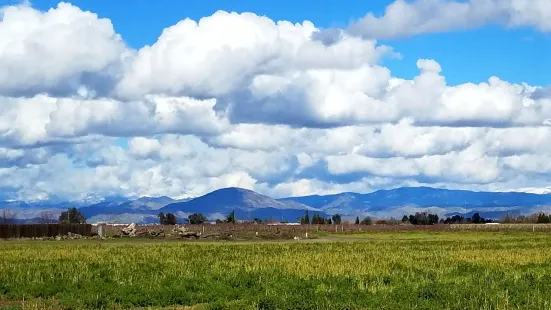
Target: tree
<point x="167" y="219"/>
<point x="317" y="219"/>
<point x="197" y="218"/>
<point x="231" y="217"/>
<point x="162" y="218"/>
<point x="305" y="219"/>
<point x="357" y="222"/>
<point x="257" y="220"/>
<point x="476" y="219"/>
<point x="170" y="219"/>
<point x="543" y="218"/>
<point x="405" y="219"/>
<point x="423" y="218"/>
<point x="336" y="219"/>
<point x="367" y="221"/>
<point x="456" y="219"/>
<point x="72" y="216"/>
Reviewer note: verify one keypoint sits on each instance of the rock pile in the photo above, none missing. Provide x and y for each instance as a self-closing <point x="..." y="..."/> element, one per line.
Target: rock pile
<point x="130" y="230"/>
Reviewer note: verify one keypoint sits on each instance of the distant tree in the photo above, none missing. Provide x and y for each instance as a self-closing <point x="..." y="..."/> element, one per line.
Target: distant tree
<point x="218" y="221"/>
<point x="543" y="218"/>
<point x="405" y="219"/>
<point x="72" y="216"/>
<point x="511" y="219"/>
<point x="170" y="219"/>
<point x="456" y="219"/>
<point x="46" y="217"/>
<point x="231" y="217"/>
<point x="476" y="219"/>
<point x="423" y="218"/>
<point x="7" y="217"/>
<point x="257" y="220"/>
<point x="357" y="222"/>
<point x="367" y="221"/>
<point x="336" y="219"/>
<point x="433" y="219"/>
<point x="197" y="218"/>
<point x="305" y="219"/>
<point x="162" y="218"/>
<point x="317" y="219"/>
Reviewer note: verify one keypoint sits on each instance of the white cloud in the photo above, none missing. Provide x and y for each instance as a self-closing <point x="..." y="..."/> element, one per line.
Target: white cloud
<point x="58" y="51"/>
<point x="241" y="100"/>
<point x="43" y="119"/>
<point x="406" y="18"/>
<point x="222" y="53"/>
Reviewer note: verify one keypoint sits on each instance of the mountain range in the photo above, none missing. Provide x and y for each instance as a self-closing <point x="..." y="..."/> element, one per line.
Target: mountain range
<point x="248" y="205"/>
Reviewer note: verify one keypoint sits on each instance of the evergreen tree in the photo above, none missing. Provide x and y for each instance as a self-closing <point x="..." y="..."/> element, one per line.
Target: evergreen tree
<point x="305" y="219"/>
<point x="231" y="217"/>
<point x="543" y="218"/>
<point x="405" y="219"/>
<point x="357" y="222"/>
<point x="316" y="219"/>
<point x="336" y="219"/>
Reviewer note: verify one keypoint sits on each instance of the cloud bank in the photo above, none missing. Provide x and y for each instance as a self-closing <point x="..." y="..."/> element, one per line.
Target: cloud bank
<point x="242" y="100"/>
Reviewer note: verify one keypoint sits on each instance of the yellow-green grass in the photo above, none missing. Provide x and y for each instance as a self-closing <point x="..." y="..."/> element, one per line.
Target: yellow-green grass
<point x="401" y="270"/>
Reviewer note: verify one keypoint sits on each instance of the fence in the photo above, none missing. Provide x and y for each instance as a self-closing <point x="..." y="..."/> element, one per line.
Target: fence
<point x="9" y="231"/>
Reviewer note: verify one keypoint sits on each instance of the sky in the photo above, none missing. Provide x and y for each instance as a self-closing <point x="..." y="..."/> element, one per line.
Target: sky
<point x="180" y="98"/>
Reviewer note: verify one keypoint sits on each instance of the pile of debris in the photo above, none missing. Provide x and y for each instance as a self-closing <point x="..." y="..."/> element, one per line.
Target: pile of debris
<point x="179" y="231"/>
<point x="182" y="232"/>
<point x="132" y="231"/>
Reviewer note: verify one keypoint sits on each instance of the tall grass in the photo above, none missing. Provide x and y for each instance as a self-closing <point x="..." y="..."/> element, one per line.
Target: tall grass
<point x="401" y="270"/>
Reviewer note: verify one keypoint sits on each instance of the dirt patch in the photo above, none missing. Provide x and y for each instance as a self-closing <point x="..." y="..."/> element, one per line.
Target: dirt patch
<point x="10" y="304"/>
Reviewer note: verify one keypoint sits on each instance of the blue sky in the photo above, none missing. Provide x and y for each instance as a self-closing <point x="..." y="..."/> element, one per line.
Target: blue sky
<point x="181" y="109"/>
<point x="517" y="55"/>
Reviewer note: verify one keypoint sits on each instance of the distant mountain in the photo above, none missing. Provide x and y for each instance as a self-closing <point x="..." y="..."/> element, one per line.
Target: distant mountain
<point x="530" y="190"/>
<point x="246" y="203"/>
<point x="149" y="203"/>
<point x="145" y="207"/>
<point x="446" y="201"/>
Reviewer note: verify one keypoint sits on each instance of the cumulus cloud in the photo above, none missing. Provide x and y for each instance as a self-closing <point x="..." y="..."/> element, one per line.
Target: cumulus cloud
<point x="405" y="18"/>
<point x="44" y="119"/>
<point x="242" y="100"/>
<point x="59" y="52"/>
<point x="220" y="54"/>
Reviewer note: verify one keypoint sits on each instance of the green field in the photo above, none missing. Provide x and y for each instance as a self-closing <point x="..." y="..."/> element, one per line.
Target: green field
<point x="401" y="270"/>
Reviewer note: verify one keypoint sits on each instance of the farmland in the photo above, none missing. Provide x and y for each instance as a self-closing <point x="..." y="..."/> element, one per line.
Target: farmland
<point x="375" y="270"/>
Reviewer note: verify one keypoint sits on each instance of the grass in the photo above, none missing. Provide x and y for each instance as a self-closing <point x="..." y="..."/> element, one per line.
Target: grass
<point x="399" y="270"/>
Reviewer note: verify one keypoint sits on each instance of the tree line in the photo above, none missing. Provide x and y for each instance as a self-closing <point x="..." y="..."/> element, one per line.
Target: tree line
<point x="318" y="219"/>
<point x="73" y="216"/>
<point x="535" y="218"/>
